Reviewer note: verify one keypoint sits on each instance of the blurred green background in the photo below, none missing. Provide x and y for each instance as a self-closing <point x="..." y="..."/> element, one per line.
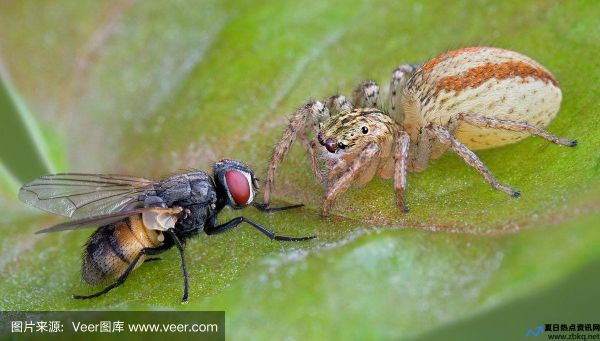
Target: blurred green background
<point x="150" y="88"/>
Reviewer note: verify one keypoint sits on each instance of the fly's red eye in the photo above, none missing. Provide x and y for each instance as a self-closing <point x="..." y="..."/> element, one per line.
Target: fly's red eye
<point x="238" y="186"/>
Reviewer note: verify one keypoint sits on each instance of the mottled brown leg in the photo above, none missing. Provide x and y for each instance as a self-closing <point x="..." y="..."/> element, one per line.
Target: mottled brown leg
<point x="471" y="158"/>
<point x="334" y="171"/>
<point x="421" y="151"/>
<point x="400" y="167"/>
<point x="310" y="147"/>
<point x="366" y="95"/>
<point x="485" y="122"/>
<point x="336" y="104"/>
<point x="399" y="81"/>
<point x="345" y="181"/>
<point x="309" y="115"/>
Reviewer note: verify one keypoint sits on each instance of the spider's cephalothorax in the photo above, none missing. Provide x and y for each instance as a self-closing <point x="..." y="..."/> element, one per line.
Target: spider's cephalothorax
<point x="355" y="131"/>
<point x="468" y="99"/>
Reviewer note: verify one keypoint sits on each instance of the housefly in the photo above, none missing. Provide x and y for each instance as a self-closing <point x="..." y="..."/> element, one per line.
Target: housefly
<point x="137" y="218"/>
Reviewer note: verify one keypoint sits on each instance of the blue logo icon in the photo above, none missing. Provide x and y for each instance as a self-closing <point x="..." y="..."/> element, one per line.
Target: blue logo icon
<point x="538" y="330"/>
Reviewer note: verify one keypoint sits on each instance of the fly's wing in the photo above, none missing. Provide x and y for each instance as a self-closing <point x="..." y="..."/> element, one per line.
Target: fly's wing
<point x="83" y="195"/>
<point x="155" y="218"/>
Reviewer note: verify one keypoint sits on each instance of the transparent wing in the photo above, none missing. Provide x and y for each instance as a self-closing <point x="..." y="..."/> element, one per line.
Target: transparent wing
<point x="171" y="213"/>
<point x="83" y="195"/>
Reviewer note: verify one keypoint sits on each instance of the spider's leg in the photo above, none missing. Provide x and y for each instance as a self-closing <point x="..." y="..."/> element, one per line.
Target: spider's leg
<point x="311" y="148"/>
<point x="470" y="158"/>
<point x="400" y="79"/>
<point x="336" y="104"/>
<point x="366" y="95"/>
<point x="420" y="153"/>
<point x="334" y="171"/>
<point x="364" y="159"/>
<point x="400" y="167"/>
<point x="485" y="122"/>
<point x="302" y="120"/>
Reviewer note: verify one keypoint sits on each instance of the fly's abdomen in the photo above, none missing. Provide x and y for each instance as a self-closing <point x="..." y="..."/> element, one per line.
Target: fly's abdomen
<point x="112" y="248"/>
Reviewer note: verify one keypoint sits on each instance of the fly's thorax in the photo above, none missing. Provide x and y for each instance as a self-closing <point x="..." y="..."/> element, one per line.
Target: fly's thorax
<point x="187" y="189"/>
<point x="203" y="189"/>
<point x="197" y="218"/>
<point x="353" y="130"/>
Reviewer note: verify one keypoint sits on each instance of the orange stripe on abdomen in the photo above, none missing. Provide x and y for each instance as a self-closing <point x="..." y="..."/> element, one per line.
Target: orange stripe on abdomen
<point x="435" y="61"/>
<point x="476" y="76"/>
<point x="127" y="240"/>
<point x="145" y="237"/>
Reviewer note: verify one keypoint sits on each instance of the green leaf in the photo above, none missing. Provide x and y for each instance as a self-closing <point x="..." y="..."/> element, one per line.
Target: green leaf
<point x="23" y="150"/>
<point x="149" y="88"/>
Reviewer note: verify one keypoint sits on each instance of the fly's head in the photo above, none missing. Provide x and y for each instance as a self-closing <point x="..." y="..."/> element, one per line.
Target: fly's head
<point x="347" y="134"/>
<point x="236" y="182"/>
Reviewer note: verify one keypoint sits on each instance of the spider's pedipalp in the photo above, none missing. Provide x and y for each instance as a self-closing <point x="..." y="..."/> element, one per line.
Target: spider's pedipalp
<point x="337" y="104"/>
<point x="362" y="162"/>
<point x="399" y="81"/>
<point x="306" y="117"/>
<point x="366" y="95"/>
<point x="335" y="167"/>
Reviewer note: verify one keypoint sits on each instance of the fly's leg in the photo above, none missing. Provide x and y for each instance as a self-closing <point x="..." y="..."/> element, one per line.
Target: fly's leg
<point x="366" y="95"/>
<point x="186" y="286"/>
<point x="342" y="184"/>
<point x="400" y="168"/>
<point x="123" y="277"/>
<point x="485" y="122"/>
<point x="269" y="209"/>
<point x="471" y="158"/>
<point x="264" y="230"/>
<point x="309" y="115"/>
<point x="399" y="81"/>
<point x="153" y="259"/>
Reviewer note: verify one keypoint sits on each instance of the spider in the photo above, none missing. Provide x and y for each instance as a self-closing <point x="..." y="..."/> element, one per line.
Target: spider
<point x="468" y="99"/>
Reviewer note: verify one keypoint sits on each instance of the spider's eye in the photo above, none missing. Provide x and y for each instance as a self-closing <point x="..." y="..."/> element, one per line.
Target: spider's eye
<point x="341" y="145"/>
<point x="365" y="130"/>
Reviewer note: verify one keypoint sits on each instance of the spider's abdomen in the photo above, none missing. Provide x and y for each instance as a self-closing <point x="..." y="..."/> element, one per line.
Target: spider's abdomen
<point x="481" y="81"/>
